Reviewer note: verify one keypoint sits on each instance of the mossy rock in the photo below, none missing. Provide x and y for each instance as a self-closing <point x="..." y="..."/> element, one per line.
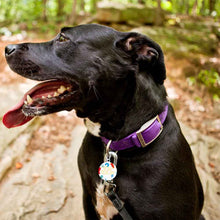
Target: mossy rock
<point x="182" y="42"/>
<point x="109" y="15"/>
<point x="141" y="15"/>
<point x="129" y="13"/>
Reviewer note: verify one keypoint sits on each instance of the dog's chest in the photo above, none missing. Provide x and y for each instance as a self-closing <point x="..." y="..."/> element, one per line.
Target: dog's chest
<point x="104" y="206"/>
<point x="93" y="128"/>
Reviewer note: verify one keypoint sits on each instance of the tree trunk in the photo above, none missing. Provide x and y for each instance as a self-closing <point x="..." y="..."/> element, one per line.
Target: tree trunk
<point x="60" y="8"/>
<point x="44" y="14"/>
<point x="82" y="5"/>
<point x="142" y="2"/>
<point x="7" y="11"/>
<point x="187" y="8"/>
<point x="93" y="5"/>
<point x="72" y="17"/>
<point x="211" y="6"/>
<point x="194" y="9"/>
<point x="202" y="10"/>
<point x="159" y="14"/>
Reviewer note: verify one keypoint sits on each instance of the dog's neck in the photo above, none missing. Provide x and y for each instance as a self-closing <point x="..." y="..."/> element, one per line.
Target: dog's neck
<point x="149" y="100"/>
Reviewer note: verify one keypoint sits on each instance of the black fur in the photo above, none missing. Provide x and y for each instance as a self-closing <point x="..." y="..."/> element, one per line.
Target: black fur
<point x="120" y="78"/>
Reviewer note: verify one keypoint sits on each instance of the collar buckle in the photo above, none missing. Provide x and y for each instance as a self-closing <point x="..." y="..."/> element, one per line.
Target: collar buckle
<point x="143" y="128"/>
<point x="143" y="137"/>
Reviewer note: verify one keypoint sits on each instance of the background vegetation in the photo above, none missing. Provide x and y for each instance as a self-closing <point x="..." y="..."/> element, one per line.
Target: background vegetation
<point x="187" y="30"/>
<point x="29" y="11"/>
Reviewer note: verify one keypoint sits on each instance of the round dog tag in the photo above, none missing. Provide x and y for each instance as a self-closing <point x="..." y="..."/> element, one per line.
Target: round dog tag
<point x="107" y="171"/>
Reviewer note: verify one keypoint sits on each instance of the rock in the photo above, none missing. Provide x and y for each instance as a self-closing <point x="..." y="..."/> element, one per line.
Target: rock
<point x="182" y="42"/>
<point x="213" y="125"/>
<point x="8" y="100"/>
<point x="28" y="194"/>
<point x="33" y="196"/>
<point x="108" y="15"/>
<point x="5" y="164"/>
<point x="131" y="14"/>
<point x="206" y="150"/>
<point x="15" y="151"/>
<point x="217" y="108"/>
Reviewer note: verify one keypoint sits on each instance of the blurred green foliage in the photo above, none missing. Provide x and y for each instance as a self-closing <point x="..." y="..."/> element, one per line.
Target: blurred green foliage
<point x="210" y="79"/>
<point x="13" y="11"/>
<point x="187" y="37"/>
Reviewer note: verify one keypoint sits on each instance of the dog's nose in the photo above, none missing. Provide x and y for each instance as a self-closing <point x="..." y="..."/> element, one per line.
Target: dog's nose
<point x="10" y="49"/>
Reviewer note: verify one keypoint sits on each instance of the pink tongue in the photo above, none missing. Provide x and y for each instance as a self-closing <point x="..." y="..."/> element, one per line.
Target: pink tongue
<point x="15" y="116"/>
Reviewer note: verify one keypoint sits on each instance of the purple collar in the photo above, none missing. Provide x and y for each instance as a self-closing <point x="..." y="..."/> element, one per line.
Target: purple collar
<point x="144" y="136"/>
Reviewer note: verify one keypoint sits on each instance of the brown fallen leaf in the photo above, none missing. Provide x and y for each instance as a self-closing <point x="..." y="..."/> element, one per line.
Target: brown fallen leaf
<point x="212" y="165"/>
<point x="18" y="165"/>
<point x="51" y="178"/>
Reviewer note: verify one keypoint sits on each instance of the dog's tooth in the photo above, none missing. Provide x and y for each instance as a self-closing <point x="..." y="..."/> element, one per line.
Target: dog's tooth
<point x="55" y="94"/>
<point x="29" y="99"/>
<point x="49" y="96"/>
<point x="61" y="89"/>
<point x="25" y="102"/>
<point x="43" y="97"/>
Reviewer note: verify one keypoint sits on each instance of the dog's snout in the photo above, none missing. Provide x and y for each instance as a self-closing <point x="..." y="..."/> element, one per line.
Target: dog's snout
<point x="10" y="49"/>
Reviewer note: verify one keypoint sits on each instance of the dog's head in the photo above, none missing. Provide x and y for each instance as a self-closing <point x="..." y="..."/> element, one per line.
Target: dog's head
<point x="90" y="68"/>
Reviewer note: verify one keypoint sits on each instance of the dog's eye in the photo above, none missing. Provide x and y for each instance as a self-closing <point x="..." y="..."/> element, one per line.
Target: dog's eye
<point x="62" y="38"/>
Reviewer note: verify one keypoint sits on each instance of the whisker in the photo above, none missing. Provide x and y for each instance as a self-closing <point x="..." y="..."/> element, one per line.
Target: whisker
<point x="98" y="96"/>
<point x="95" y="90"/>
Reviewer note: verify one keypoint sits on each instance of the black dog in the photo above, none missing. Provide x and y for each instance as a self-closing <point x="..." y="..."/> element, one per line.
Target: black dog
<point x="115" y="80"/>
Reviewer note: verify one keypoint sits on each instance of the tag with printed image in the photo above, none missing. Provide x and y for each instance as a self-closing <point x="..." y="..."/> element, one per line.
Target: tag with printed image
<point x="107" y="171"/>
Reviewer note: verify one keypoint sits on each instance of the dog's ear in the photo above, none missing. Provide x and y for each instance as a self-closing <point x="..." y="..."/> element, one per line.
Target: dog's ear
<point x="147" y="53"/>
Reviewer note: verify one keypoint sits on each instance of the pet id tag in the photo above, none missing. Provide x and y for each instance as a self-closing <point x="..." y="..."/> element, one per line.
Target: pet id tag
<point x="107" y="171"/>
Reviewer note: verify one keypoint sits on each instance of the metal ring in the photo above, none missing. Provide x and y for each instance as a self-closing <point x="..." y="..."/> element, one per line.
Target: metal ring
<point x="107" y="149"/>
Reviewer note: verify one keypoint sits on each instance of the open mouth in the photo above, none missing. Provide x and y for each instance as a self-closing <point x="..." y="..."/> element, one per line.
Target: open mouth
<point x="47" y="97"/>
